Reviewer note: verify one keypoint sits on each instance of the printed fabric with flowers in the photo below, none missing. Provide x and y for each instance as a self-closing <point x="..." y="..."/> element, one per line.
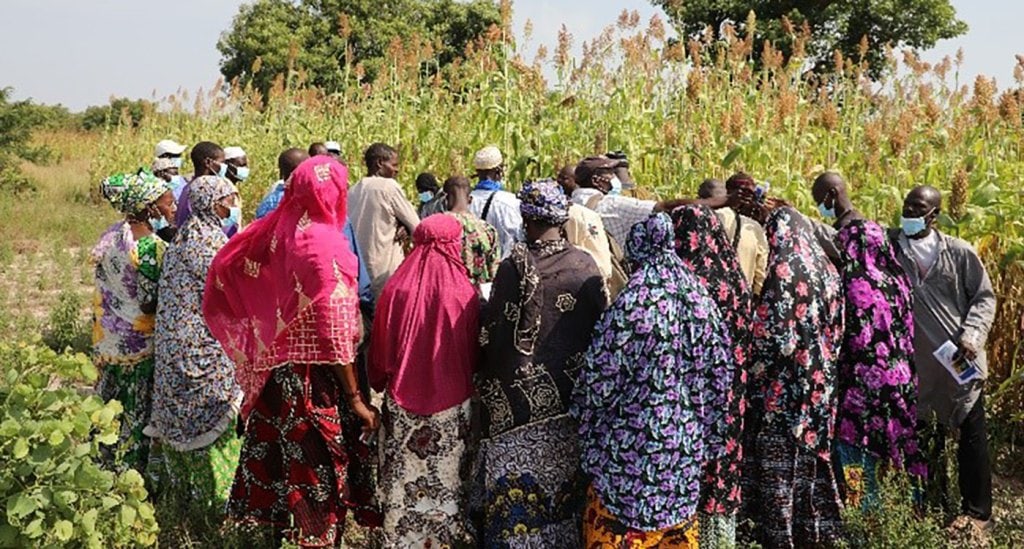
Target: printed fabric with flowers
<point x="127" y="273"/>
<point x="877" y="384"/>
<point x="652" y="392"/>
<point x="702" y="244"/>
<point x="797" y="334"/>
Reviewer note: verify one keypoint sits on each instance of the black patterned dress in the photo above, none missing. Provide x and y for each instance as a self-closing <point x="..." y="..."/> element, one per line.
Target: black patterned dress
<point x="547" y="297"/>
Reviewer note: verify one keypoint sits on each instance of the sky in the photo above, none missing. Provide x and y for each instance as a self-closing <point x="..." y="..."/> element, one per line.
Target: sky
<point x="81" y="53"/>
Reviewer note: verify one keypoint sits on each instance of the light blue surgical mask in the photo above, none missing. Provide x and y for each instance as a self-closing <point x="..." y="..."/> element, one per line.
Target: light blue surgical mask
<point x="827" y="213"/>
<point x="242" y="173"/>
<point x="176" y="181"/>
<point x="913" y="226"/>
<point x="616" y="186"/>
<point x="426" y="196"/>
<point x="234" y="218"/>
<point x="177" y="161"/>
<point x="158" y="223"/>
<point x="223" y="171"/>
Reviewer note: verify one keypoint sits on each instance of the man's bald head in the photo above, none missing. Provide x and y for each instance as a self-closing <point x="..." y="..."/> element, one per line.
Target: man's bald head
<point x="711" y="188"/>
<point x="926" y="195"/>
<point x="289" y="160"/>
<point x="828" y="184"/>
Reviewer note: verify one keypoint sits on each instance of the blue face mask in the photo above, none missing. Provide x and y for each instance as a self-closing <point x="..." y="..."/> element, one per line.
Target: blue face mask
<point x="913" y="226"/>
<point x="616" y="186"/>
<point x="242" y="173"/>
<point x="234" y="218"/>
<point x="177" y="162"/>
<point x="827" y="213"/>
<point x="426" y="196"/>
<point x="158" y="223"/>
<point x="223" y="171"/>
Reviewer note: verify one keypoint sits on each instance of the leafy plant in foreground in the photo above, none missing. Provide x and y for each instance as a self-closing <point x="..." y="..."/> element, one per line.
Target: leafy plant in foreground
<point x="52" y="489"/>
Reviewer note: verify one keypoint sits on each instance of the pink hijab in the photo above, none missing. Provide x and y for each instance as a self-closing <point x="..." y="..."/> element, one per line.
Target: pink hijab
<point x="284" y="290"/>
<point x="425" y="331"/>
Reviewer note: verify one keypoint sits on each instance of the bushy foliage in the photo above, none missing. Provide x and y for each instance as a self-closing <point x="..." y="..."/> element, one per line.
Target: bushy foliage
<point x="54" y="492"/>
<point x="118" y="111"/>
<point x="270" y="39"/>
<point x="859" y="30"/>
<point x="65" y="328"/>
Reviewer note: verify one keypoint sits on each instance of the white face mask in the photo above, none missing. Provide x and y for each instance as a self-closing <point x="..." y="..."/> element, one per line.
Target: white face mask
<point x="616" y="186"/>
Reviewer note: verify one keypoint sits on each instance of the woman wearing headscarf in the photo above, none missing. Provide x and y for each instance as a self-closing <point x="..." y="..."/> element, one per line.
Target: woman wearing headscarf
<point x="877" y="386"/>
<point x="702" y="244"/>
<point x="650" y="400"/>
<point x="282" y="299"/>
<point x="546" y="300"/>
<point x="789" y="488"/>
<point x="128" y="259"/>
<point x="196" y="398"/>
<point x="423" y="354"/>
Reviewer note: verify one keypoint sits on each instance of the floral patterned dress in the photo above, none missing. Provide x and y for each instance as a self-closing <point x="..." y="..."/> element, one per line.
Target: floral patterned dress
<point x="547" y="298"/>
<point x="127" y="274"/>
<point x="196" y="397"/>
<point x="876" y="381"/>
<point x="789" y="490"/>
<point x="702" y="244"/>
<point x="652" y="394"/>
<point x="480" y="251"/>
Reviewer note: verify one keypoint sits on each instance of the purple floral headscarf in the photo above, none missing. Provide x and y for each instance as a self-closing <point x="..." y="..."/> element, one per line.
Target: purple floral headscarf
<point x="544" y="201"/>
<point x="652" y="389"/>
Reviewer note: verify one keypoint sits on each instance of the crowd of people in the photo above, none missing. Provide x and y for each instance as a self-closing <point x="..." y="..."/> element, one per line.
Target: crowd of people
<point x="571" y="365"/>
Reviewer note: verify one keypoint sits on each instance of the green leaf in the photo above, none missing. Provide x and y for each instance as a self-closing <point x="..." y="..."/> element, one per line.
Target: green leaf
<point x="20" y="505"/>
<point x="63" y="530"/>
<point x="127" y="516"/>
<point x="20" y="448"/>
<point x="732" y="156"/>
<point x="34" y="529"/>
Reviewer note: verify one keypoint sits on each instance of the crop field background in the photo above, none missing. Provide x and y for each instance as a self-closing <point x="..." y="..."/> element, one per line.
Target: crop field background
<point x="683" y="112"/>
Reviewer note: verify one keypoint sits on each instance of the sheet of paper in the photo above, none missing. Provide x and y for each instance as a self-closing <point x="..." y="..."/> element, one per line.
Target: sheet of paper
<point x="962" y="370"/>
<point x="485" y="290"/>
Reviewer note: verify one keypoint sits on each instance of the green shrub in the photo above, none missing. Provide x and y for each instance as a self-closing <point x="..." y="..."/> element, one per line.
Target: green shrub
<point x="895" y="522"/>
<point x="66" y="329"/>
<point x="52" y="490"/>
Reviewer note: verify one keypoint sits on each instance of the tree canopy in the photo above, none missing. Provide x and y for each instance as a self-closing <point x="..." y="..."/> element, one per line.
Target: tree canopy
<point x="267" y="37"/>
<point x="834" y="25"/>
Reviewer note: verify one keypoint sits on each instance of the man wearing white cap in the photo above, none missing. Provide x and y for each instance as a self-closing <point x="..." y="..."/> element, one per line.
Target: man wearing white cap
<point x="238" y="164"/>
<point x="334" y="150"/>
<point x="171" y="150"/>
<point x="491" y="203"/>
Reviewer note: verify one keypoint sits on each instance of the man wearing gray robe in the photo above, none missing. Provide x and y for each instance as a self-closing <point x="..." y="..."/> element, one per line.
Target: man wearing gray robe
<point x="953" y="301"/>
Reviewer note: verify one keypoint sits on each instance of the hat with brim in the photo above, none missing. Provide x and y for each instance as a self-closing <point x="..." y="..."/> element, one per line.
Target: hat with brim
<point x="591" y="166"/>
<point x="169" y="147"/>
<point x="333" y="146"/>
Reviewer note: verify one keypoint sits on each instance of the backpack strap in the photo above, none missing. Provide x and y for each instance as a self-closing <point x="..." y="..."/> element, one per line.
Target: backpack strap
<point x="487" y="206"/>
<point x="739" y="228"/>
<point x="594" y="201"/>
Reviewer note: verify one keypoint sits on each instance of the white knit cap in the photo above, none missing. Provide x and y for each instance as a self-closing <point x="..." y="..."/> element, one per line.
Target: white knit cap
<point x="487" y="158"/>
<point x="233" y="152"/>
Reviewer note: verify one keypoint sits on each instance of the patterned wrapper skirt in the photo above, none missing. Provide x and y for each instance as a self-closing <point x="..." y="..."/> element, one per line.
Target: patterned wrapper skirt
<point x="424" y="468"/>
<point x="790" y="495"/>
<point x="601" y="530"/>
<point x="203" y="477"/>
<point x="302" y="466"/>
<point x="533" y="494"/>
<point x="132" y="386"/>
<point x="718" y="531"/>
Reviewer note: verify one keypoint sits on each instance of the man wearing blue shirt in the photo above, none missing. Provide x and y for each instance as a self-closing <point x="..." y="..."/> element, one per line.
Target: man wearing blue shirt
<point x="286" y="164"/>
